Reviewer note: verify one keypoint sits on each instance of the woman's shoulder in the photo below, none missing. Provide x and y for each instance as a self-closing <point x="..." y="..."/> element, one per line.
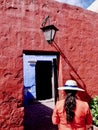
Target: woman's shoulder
<point x="60" y="102"/>
<point x="82" y="103"/>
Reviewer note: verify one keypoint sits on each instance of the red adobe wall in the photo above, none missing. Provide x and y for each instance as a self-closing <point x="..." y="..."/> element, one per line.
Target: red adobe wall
<point x="77" y="41"/>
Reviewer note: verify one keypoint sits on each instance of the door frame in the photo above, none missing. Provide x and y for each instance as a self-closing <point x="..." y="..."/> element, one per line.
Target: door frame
<point x="55" y="71"/>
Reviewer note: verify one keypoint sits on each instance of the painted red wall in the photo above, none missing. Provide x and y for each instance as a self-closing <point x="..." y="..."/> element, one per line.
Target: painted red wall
<point x="76" y="40"/>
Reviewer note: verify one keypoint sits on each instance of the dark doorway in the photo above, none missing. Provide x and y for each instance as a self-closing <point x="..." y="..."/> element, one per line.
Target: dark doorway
<point x="40" y="81"/>
<point x="43" y="80"/>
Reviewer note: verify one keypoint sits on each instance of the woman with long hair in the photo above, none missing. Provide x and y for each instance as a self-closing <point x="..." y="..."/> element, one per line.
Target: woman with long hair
<point x="71" y="113"/>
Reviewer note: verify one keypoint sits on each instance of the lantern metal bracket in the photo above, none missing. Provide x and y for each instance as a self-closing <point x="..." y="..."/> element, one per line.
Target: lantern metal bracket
<point x="47" y="18"/>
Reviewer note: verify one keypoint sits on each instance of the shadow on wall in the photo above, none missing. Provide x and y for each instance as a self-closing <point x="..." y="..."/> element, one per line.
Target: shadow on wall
<point x="38" y="117"/>
<point x="83" y="95"/>
<point x="74" y="75"/>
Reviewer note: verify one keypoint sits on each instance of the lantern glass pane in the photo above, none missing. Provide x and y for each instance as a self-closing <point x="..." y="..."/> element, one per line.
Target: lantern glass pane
<point x="49" y="34"/>
<point x="53" y="33"/>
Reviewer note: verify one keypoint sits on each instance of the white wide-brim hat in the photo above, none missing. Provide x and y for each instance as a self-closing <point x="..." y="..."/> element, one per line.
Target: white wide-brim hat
<point x="70" y="85"/>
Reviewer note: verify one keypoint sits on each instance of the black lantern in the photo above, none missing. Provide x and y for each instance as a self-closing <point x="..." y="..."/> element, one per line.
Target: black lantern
<point x="49" y="31"/>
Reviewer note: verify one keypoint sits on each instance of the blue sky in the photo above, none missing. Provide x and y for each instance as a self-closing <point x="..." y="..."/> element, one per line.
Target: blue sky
<point x="80" y="3"/>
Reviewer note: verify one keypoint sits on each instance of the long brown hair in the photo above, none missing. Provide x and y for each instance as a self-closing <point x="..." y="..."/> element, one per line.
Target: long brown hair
<point x="70" y="105"/>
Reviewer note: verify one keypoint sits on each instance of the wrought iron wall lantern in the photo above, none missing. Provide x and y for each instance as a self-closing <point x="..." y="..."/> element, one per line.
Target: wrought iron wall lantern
<point x="49" y="31"/>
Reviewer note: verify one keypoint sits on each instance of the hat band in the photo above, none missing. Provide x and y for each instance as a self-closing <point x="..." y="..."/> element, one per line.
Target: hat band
<point x="74" y="86"/>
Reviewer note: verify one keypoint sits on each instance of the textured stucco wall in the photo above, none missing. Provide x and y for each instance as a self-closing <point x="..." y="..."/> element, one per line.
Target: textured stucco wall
<point x="77" y="41"/>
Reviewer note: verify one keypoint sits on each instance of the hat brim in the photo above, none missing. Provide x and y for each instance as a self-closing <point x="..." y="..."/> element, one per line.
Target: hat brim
<point x="70" y="88"/>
